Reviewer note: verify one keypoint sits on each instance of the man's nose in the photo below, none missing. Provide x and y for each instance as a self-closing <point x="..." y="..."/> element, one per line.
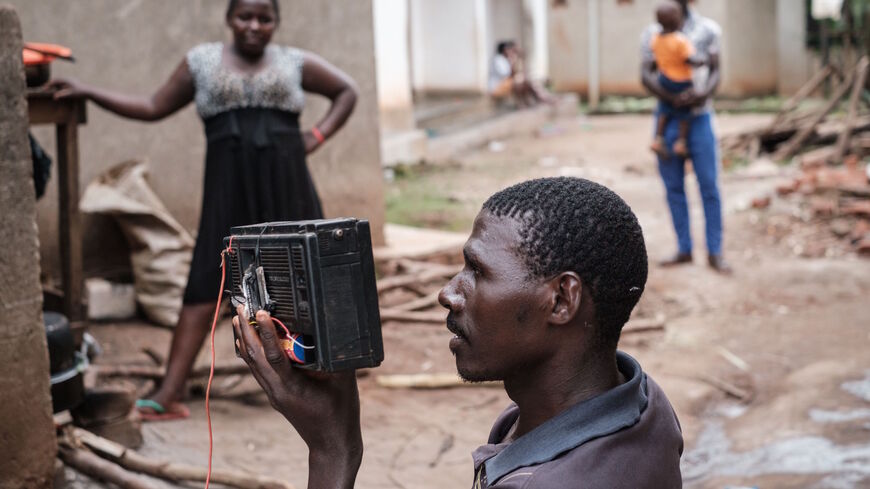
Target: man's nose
<point x="450" y="297"/>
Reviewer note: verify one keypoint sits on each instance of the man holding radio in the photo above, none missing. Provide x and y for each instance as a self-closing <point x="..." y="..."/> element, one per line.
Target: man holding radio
<point x="553" y="269"/>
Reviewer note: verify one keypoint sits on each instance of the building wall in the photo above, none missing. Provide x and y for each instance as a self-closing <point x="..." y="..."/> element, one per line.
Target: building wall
<point x="536" y="39"/>
<point x="751" y="59"/>
<point x="569" y="45"/>
<point x="29" y="442"/>
<point x="133" y="46"/>
<point x="392" y="54"/>
<point x="620" y="28"/>
<point x="449" y="42"/>
<point x="506" y="19"/>
<point x="524" y="21"/>
<point x="795" y="63"/>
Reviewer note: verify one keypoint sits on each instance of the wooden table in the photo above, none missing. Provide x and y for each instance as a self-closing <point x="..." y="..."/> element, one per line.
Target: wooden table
<point x="66" y="115"/>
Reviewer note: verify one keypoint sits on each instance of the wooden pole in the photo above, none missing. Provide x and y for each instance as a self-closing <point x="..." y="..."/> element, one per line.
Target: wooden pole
<point x="132" y="460"/>
<point x="428" y="381"/>
<point x="414" y="317"/>
<point x="805" y="91"/>
<point x="155" y="372"/>
<point x="436" y="272"/>
<point x="793" y="145"/>
<point x="70" y="234"/>
<point x="857" y="88"/>
<point x="92" y="465"/>
<point x="429" y="300"/>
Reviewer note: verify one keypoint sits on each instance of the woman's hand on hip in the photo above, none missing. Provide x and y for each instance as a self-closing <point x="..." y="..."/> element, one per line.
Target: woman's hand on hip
<point x="311" y="142"/>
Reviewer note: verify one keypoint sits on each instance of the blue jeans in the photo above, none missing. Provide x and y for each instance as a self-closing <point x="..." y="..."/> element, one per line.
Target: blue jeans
<point x="703" y="152"/>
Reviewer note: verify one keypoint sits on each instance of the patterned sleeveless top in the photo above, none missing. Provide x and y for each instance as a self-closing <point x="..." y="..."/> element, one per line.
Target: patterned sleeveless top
<point x="219" y="89"/>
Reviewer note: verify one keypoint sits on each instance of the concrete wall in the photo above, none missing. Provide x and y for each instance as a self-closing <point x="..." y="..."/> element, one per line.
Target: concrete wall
<point x="393" y="57"/>
<point x="506" y="21"/>
<point x="453" y="41"/>
<point x="569" y="45"/>
<point x="27" y="438"/>
<point x="133" y="46"/>
<point x="751" y="59"/>
<point x="795" y="63"/>
<point x="524" y="21"/>
<point x="450" y="45"/>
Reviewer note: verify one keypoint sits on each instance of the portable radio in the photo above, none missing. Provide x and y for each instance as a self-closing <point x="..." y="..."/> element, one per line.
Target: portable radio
<point x="317" y="280"/>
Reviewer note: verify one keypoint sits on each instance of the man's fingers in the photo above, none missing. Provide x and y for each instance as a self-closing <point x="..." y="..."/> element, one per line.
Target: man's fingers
<point x="248" y="344"/>
<point x="250" y="338"/>
<point x="256" y="356"/>
<point x="271" y="346"/>
<point x="247" y="351"/>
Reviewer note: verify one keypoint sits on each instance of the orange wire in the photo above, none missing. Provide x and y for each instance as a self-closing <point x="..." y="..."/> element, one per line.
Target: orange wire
<point x="289" y="334"/>
<point x="291" y="337"/>
<point x="217" y="311"/>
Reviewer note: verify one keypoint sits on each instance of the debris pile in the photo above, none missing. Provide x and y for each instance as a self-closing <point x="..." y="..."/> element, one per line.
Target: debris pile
<point x="793" y="131"/>
<point x="832" y="188"/>
<point x="838" y="199"/>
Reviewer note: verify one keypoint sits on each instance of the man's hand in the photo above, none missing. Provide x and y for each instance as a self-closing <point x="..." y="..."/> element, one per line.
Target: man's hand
<point x="689" y="98"/>
<point x="649" y="79"/>
<point x="324" y="408"/>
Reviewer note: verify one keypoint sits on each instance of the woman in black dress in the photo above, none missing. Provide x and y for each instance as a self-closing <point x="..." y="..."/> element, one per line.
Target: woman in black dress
<point x="249" y="95"/>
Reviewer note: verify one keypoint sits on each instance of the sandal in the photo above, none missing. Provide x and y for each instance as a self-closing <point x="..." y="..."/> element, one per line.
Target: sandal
<point x="151" y="410"/>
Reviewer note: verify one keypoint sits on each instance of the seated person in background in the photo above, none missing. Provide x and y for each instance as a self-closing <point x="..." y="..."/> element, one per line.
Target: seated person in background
<point x="553" y="269"/>
<point x="674" y="56"/>
<point x="508" y="77"/>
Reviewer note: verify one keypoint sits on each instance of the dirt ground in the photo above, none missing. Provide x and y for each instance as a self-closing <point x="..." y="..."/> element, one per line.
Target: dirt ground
<point x="787" y="332"/>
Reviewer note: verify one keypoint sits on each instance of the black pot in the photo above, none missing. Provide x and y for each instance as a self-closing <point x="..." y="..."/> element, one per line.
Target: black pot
<point x="66" y="364"/>
<point x="37" y="75"/>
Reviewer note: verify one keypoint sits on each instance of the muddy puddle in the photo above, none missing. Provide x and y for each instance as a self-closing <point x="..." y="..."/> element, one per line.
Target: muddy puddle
<point x="842" y="466"/>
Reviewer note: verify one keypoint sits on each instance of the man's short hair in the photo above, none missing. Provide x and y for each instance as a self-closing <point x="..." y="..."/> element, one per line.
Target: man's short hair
<point x="572" y="224"/>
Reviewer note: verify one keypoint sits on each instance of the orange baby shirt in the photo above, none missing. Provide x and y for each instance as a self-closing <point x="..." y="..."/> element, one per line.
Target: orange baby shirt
<point x="671" y="52"/>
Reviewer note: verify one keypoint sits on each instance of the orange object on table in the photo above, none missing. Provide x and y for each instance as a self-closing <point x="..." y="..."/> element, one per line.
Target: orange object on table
<point x="38" y="53"/>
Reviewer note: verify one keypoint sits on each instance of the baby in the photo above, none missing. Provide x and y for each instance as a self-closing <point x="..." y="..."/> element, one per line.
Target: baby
<point x="675" y="56"/>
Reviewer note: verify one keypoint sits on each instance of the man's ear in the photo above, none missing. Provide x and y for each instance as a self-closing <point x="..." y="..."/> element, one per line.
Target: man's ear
<point x="567" y="293"/>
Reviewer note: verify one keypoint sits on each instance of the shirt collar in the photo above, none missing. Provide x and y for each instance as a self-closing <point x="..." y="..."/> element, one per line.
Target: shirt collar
<point x="690" y="21"/>
<point x="616" y="409"/>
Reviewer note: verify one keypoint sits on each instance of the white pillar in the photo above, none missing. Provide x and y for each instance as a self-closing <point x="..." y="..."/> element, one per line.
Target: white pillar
<point x="539" y="59"/>
<point x="594" y="64"/>
<point x="392" y="64"/>
<point x="482" y="49"/>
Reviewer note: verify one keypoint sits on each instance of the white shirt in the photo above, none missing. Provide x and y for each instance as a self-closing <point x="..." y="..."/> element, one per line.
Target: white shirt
<point x="499" y="70"/>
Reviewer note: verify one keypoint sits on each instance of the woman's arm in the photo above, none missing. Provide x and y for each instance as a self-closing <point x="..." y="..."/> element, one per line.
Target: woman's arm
<point x="321" y="77"/>
<point x="175" y="93"/>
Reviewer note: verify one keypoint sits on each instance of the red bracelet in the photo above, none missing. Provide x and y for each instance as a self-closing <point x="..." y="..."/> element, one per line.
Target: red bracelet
<point x="318" y="135"/>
